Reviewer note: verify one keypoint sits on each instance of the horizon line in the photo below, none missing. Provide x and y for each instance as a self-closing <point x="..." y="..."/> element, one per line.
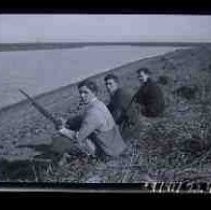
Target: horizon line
<point x="73" y="42"/>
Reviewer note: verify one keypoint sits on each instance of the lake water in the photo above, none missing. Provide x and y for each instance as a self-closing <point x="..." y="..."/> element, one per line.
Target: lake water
<point x="44" y="70"/>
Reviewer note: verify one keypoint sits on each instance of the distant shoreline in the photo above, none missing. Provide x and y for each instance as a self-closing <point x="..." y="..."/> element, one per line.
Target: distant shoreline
<point x="4" y="47"/>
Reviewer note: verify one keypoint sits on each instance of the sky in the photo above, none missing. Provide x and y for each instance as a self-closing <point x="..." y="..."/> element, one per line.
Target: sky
<point x="108" y="28"/>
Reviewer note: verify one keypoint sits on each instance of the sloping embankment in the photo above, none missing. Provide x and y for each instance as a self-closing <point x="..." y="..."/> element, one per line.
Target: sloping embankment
<point x="21" y="124"/>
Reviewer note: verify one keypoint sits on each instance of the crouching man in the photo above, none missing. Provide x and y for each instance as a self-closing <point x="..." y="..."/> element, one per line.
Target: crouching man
<point x="149" y="96"/>
<point x="98" y="135"/>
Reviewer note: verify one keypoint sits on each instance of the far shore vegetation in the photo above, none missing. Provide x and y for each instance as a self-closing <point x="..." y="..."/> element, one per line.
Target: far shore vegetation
<point x="61" y="45"/>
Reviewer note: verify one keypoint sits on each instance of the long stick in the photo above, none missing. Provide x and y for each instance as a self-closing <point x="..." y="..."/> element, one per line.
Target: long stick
<point x="42" y="110"/>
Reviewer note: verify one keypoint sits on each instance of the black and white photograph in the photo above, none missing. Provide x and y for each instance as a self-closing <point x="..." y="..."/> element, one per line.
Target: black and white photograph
<point x="104" y="98"/>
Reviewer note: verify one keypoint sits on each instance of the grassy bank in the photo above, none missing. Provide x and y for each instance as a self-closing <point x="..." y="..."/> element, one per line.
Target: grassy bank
<point x="174" y="147"/>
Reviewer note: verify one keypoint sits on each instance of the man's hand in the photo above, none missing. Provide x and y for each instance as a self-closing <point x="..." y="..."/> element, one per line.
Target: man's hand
<point x="61" y="123"/>
<point x="68" y="133"/>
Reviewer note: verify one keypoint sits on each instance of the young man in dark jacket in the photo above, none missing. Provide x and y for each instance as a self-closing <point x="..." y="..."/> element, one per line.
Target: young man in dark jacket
<point x="149" y="96"/>
<point x="119" y="98"/>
